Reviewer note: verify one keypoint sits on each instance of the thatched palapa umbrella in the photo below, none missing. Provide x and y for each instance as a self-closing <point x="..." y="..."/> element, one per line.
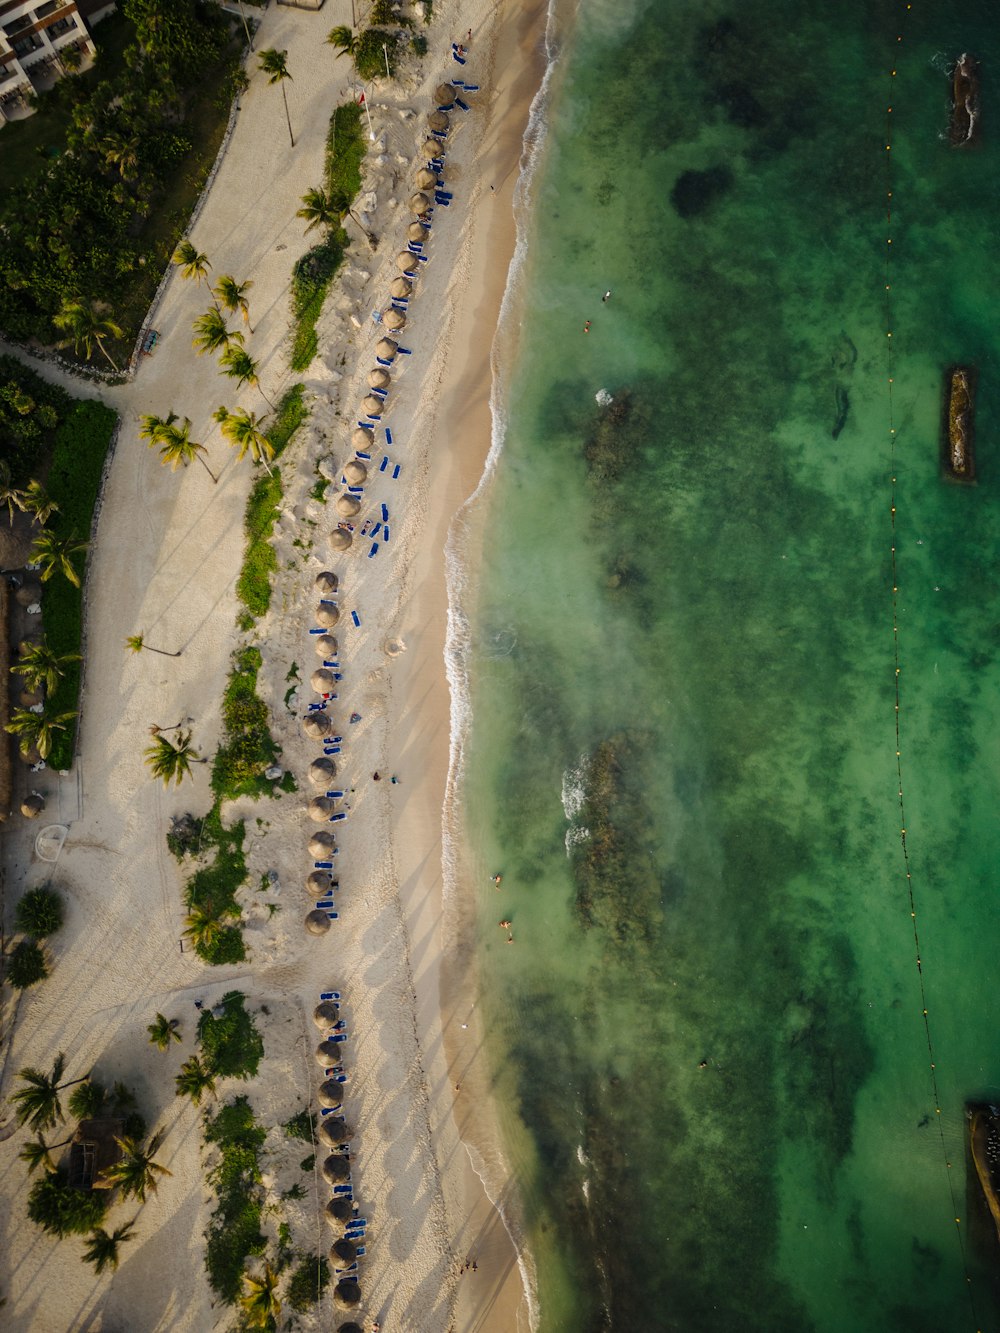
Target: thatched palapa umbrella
<point x="326" y="615"/>
<point x="323" y="680"/>
<point x="350" y="1328"/>
<point x="338" y="1212"/>
<point x="316" y="726"/>
<point x="326" y="644"/>
<point x="317" y="922"/>
<point x="400" y="288"/>
<point x="406" y="263"/>
<point x="347" y="1294"/>
<point x="394" y="319"/>
<point x="331" y="1093"/>
<point x="426" y="179"/>
<point x="334" y="1131"/>
<point x="322" y="772"/>
<point x="416" y="232"/>
<point x="362" y="437"/>
<point x="419" y="203"/>
<point x="319" y="881"/>
<point x="445" y="92"/>
<point x="326" y="582"/>
<point x="386" y="349"/>
<point x="379" y="378"/>
<point x="33" y="805"/>
<point x="343" y="1251"/>
<point x="336" y="1170"/>
<point x="320" y="843"/>
<point x="433" y="147"/>
<point x="372" y="406"/>
<point x="438" y="121"/>
<point x="327" y="1053"/>
<point x="321" y="808"/>
<point x="326" y="1013"/>
<point x="348" y="506"/>
<point x="355" y="471"/>
<point x="339" y="540"/>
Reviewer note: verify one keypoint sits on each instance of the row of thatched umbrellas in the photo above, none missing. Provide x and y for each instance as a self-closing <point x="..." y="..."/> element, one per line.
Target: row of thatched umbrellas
<point x="334" y="1134"/>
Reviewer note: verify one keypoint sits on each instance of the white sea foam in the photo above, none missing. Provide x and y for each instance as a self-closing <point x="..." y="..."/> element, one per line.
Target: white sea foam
<point x="604" y="399"/>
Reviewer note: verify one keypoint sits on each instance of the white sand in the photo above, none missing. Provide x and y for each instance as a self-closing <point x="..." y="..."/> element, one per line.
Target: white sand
<point x="169" y="550"/>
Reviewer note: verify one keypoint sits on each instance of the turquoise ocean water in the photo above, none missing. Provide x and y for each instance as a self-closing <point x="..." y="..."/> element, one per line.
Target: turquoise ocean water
<point x="682" y="753"/>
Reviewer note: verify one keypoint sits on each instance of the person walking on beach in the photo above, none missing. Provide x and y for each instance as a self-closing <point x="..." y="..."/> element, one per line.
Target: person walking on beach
<point x="497" y="880"/>
<point x="606" y="296"/>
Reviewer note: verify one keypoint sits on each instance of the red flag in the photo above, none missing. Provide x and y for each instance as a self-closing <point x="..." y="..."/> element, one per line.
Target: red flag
<point x="361" y="100"/>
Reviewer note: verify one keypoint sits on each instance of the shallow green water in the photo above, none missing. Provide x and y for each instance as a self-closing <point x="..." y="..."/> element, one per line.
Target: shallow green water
<point x="686" y="619"/>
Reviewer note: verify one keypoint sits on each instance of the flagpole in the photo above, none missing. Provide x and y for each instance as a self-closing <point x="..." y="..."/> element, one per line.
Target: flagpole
<point x="364" y="103"/>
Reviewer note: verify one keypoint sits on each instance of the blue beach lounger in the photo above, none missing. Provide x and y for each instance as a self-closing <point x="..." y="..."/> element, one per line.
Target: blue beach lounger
<point x="329" y="1110"/>
<point x="382" y="361"/>
<point x="357" y="619"/>
<point x="384" y="463"/>
<point x="385" y="538"/>
<point x="401" y="303"/>
<point x="405" y="351"/>
<point x="374" y="550"/>
<point x="443" y="200"/>
<point x="334" y="819"/>
<point x="343" y="1189"/>
<point x="463" y="105"/>
<point x="356" y="490"/>
<point x="385" y="512"/>
<point x="469" y="87"/>
<point x="395" y="472"/>
<point x="334" y="916"/>
<point x="330" y="995"/>
<point x="366" y="457"/>
<point x="388" y="435"/>
<point x="361" y="1251"/>
<point x="319" y="631"/>
<point x="336" y="795"/>
<point x="338" y="1036"/>
<point x="321" y="907"/>
<point x="331" y="749"/>
<point x="323" y="865"/>
<point x="353" y="1268"/>
<point x="376" y="529"/>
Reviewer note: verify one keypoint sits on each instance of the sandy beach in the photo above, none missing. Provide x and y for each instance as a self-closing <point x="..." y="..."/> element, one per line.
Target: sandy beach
<point x="168" y="551"/>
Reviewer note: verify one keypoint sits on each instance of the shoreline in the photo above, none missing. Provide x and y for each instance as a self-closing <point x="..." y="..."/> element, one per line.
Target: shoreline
<point x="413" y="1171"/>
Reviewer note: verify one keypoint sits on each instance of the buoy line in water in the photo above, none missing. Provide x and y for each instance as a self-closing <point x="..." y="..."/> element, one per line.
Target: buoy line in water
<point x="893" y="453"/>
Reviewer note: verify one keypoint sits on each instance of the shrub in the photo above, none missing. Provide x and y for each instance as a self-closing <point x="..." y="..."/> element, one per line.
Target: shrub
<point x="308" y="1283"/>
<point x="39" y="913"/>
<point x="300" y="1127"/>
<point x="234" y="1231"/>
<point x="418" y="44"/>
<point x="369" y="55"/>
<point x="248" y="747"/>
<point x="59" y="1208"/>
<point x="27" y="965"/>
<point x="231" y="1044"/>
<point x="184" y="836"/>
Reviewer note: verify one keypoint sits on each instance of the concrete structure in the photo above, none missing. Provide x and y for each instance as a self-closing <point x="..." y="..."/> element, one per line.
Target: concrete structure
<point x="39" y="41"/>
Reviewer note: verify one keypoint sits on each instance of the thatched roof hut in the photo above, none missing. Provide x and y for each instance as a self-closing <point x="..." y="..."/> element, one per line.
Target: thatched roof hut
<point x="321" y="843"/>
<point x="318" y="881"/>
<point x="363" y="437"/>
<point x="426" y="179"/>
<point x="320" y="808"/>
<point x="339" y="540"/>
<point x="445" y="93"/>
<point x="386" y="349"/>
<point x="416" y="232"/>
<point x="354" y="470"/>
<point x="326" y="645"/>
<point x="316" y="726"/>
<point x="343" y="1251"/>
<point x="325" y="1015"/>
<point x="322" y="772"/>
<point x="406" y="263"/>
<point x="334" y="1132"/>
<point x="379" y="378"/>
<point x="347" y="506"/>
<point x="33" y="805"/>
<point x="330" y="1094"/>
<point x="317" y="922"/>
<point x="337" y="1171"/>
<point x="326" y="582"/>
<point x="400" y="288"/>
<point x="92" y="1150"/>
<point x="327" y="614"/>
<point x="327" y="1053"/>
<point x="338" y="1212"/>
<point x="419" y="203"/>
<point x="394" y="319"/>
<point x="438" y="121"/>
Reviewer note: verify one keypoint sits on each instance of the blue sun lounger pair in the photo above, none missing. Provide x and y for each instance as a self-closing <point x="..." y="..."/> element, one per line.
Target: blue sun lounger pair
<point x="345" y="1191"/>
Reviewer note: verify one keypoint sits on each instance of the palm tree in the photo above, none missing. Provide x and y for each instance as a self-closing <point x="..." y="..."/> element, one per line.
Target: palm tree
<point x="202" y="926"/>
<point x="9" y="494"/>
<point x="212" y="333"/>
<point x="55" y="554"/>
<point x="163" y="1031"/>
<point x="243" y="430"/>
<point x="86" y="329"/>
<point x="177" y="447"/>
<point x="318" y="209"/>
<point x="37" y="1104"/>
<point x="37" y="730"/>
<point x="273" y="64"/>
<point x="38" y="503"/>
<point x="102" y="1249"/>
<point x="192" y="263"/>
<point x="136" y="643"/>
<point x="239" y="365"/>
<point x="153" y="428"/>
<point x="232" y="296"/>
<point x="135" y="1172"/>
<point x="344" y="38"/>
<point x="38" y="1153"/>
<point x="122" y="153"/>
<point x="195" y="1079"/>
<point x="261" y="1305"/>
<point x="41" y="665"/>
<point x="172" y="761"/>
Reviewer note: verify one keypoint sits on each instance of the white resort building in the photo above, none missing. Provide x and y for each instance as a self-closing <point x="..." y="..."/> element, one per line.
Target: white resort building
<point x="40" y="40"/>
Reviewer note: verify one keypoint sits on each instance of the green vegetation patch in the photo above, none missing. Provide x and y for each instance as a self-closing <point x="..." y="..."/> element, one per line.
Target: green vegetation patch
<point x="308" y="1283"/>
<point x="231" y="1043"/>
<point x="248" y="748"/>
<point x="30" y="411"/>
<point x="234" y="1230"/>
<point x="26" y="965"/>
<point x="373" y="47"/>
<point x="61" y="1209"/>
<point x="213" y="888"/>
<point x="300" y="1127"/>
<point x="40" y="912"/>
<point x="288" y="417"/>
<point x="315" y="271"/>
